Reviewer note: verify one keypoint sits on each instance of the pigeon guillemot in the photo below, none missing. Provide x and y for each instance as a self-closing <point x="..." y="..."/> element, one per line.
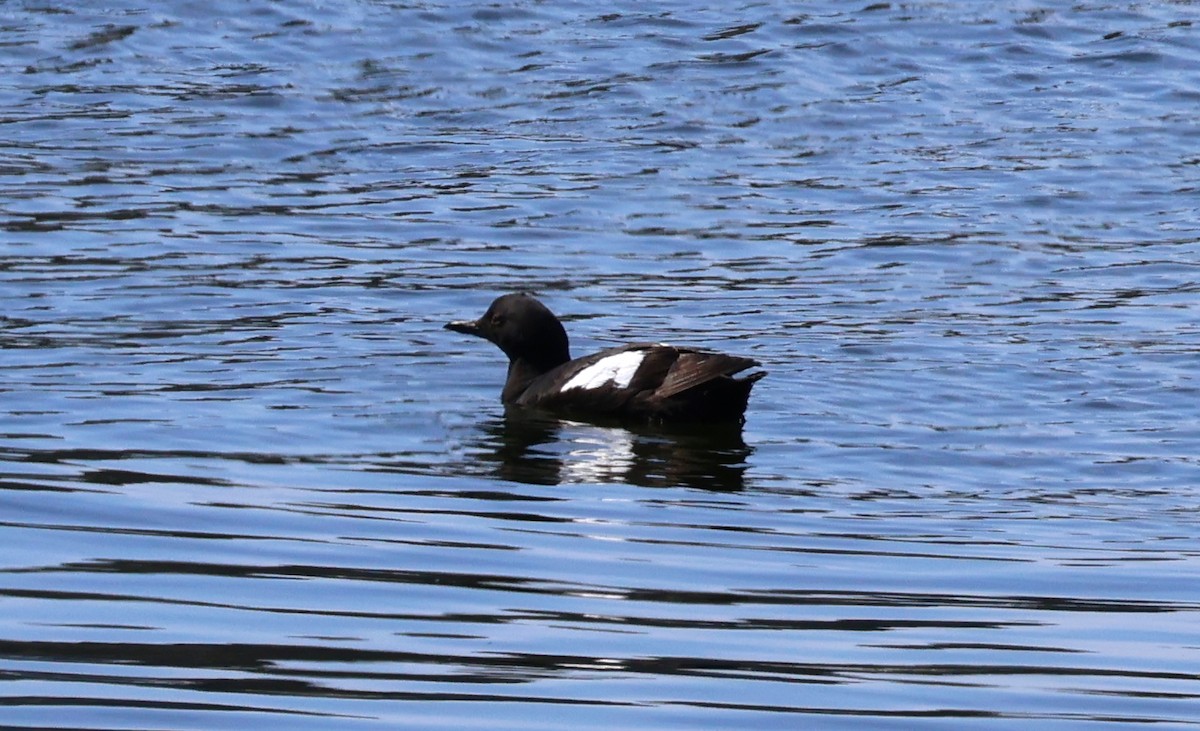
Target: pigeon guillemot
<point x="648" y="381"/>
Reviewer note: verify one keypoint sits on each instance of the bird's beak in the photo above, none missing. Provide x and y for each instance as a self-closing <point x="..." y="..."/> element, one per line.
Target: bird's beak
<point x="470" y="327"/>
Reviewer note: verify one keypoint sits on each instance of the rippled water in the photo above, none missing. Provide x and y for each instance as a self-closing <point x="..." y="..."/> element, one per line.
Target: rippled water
<point x="247" y="477"/>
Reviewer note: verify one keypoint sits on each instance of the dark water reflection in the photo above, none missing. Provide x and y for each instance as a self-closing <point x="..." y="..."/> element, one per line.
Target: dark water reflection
<point x="246" y="478"/>
<point x="523" y="447"/>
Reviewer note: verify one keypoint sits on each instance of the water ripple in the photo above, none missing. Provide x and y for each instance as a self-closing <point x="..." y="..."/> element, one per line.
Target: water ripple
<point x="245" y="476"/>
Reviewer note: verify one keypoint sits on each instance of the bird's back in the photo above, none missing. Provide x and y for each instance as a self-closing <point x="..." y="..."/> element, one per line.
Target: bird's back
<point x="651" y="381"/>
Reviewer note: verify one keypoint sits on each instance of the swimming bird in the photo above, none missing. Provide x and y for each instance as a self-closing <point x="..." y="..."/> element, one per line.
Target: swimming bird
<point x="643" y="381"/>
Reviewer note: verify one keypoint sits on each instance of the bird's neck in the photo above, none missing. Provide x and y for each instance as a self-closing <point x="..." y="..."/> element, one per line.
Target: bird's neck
<point x="521" y="373"/>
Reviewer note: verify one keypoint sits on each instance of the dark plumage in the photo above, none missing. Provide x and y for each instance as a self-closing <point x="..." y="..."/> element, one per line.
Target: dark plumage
<point x="647" y="381"/>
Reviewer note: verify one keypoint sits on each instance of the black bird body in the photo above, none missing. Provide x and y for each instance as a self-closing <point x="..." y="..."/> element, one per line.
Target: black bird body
<point x="644" y="381"/>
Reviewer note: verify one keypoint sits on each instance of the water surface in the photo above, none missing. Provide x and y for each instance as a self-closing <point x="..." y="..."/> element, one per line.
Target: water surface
<point x="247" y="477"/>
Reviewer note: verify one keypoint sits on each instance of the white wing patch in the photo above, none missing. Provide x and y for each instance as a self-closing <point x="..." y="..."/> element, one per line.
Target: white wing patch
<point x="615" y="369"/>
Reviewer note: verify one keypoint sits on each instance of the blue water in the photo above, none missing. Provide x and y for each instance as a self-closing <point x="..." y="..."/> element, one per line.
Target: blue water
<point x="247" y="478"/>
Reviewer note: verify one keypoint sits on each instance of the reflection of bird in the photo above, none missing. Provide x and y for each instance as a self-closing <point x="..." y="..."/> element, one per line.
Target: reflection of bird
<point x="534" y="448"/>
<point x="652" y="382"/>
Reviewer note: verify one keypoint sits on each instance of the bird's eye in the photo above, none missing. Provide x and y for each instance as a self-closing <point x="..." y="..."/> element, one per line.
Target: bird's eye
<point x="497" y="320"/>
